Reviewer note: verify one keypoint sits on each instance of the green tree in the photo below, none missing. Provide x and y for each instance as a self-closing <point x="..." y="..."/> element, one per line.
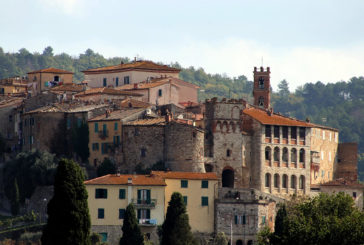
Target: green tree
<point x="15" y="200"/>
<point x="106" y="167"/>
<point x="283" y="88"/>
<point x="221" y="239"/>
<point x="81" y="140"/>
<point x="325" y="219"/>
<point x="95" y="239"/>
<point x="68" y="214"/>
<point x="176" y="229"/>
<point x="131" y="230"/>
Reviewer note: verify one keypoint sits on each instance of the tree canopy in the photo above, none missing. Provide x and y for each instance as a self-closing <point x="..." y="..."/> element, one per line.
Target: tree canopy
<point x="68" y="213"/>
<point x="131" y="230"/>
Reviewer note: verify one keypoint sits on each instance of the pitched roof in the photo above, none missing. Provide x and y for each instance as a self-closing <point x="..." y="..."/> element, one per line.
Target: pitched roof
<point x="104" y="90"/>
<point x="114" y="179"/>
<point x="70" y="108"/>
<point x="146" y="122"/>
<point x="185" y="175"/>
<point x="136" y="65"/>
<point x="129" y="102"/>
<point x="264" y="117"/>
<point x="341" y="182"/>
<point x="51" y="70"/>
<point x="117" y="115"/>
<point x="70" y="87"/>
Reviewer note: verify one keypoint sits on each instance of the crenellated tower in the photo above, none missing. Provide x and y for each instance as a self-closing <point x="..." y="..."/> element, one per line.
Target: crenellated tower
<point x="261" y="90"/>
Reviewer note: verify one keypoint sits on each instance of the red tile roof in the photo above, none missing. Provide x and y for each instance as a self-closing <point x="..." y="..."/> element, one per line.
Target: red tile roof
<point x="105" y="90"/>
<point x="129" y="102"/>
<point x="51" y="70"/>
<point x="117" y="115"/>
<point x="137" y="65"/>
<point x="185" y="175"/>
<point x="114" y="179"/>
<point x="71" y="87"/>
<point x="264" y="117"/>
<point x="343" y="183"/>
<point x="145" y="122"/>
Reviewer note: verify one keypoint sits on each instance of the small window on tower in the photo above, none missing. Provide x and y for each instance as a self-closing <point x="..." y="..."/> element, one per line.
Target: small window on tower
<point x="261" y="101"/>
<point x="261" y="83"/>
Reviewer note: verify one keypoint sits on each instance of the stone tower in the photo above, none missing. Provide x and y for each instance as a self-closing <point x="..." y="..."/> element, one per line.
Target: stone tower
<point x="261" y="90"/>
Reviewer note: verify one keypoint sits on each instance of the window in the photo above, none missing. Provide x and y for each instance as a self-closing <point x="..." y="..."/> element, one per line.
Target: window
<point x="96" y="127"/>
<point x="143" y="152"/>
<point x="284" y="181"/>
<point x="204" y="201"/>
<point x="228" y="152"/>
<point x="116" y="82"/>
<point x="302" y="155"/>
<point x="285" y="132"/>
<point x="143" y="213"/>
<point x="122" y="194"/>
<point x="95" y="146"/>
<point x="68" y="123"/>
<point x="261" y="101"/>
<point x="276" y="154"/>
<point x="101" y="193"/>
<point x="121" y="213"/>
<point x="285" y="154"/>
<point x="268" y="131"/>
<point x="302" y="133"/>
<point x="143" y="196"/>
<point x="302" y="182"/>
<point x="354" y="194"/>
<point x="104" y="129"/>
<point x="116" y="140"/>
<point x="31" y="121"/>
<point x="267" y="180"/>
<point x="184" y="183"/>
<point x="104" y="82"/>
<point x="160" y="92"/>
<point x="126" y="80"/>
<point x="104" y="148"/>
<point x="103" y="236"/>
<point x="293" y="155"/>
<point x="267" y="153"/>
<point x="205" y="184"/>
<point x="116" y="126"/>
<point x="294" y="133"/>
<point x="276" y="180"/>
<point x="276" y="131"/>
<point x="79" y="122"/>
<point x="261" y="83"/>
<point x="10" y="118"/>
<point x="263" y="220"/>
<point x="100" y="213"/>
<point x="185" y="200"/>
<point x="293" y="182"/>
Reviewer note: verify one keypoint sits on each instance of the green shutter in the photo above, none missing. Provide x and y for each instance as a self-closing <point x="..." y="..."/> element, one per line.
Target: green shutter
<point x="139" y="213"/>
<point x="122" y="194"/>
<point x="148" y="196"/>
<point x="205" y="184"/>
<point x="185" y="200"/>
<point x="148" y="213"/>
<point x="139" y="196"/>
<point x="236" y="219"/>
<point x="96" y="127"/>
<point x="244" y="219"/>
<point x="116" y="126"/>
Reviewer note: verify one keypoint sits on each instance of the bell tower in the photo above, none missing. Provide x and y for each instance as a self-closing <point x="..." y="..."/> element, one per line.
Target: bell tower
<point x="261" y="89"/>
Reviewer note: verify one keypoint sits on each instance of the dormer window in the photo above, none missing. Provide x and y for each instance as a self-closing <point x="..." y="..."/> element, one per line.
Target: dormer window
<point x="261" y="83"/>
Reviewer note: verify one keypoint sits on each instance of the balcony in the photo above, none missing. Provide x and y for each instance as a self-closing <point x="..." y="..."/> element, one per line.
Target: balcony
<point x="103" y="134"/>
<point x="141" y="203"/>
<point x="147" y="222"/>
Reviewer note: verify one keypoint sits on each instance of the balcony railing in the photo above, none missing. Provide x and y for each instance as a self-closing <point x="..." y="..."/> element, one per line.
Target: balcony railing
<point x="144" y="203"/>
<point x="148" y="222"/>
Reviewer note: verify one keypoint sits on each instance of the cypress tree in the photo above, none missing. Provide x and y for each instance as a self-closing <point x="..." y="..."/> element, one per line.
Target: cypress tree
<point x="131" y="230"/>
<point x="68" y="214"/>
<point x="15" y="200"/>
<point x="176" y="229"/>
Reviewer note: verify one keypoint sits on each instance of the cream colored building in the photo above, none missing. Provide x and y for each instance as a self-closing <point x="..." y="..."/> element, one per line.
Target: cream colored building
<point x="324" y="146"/>
<point x="129" y="73"/>
<point x="49" y="77"/>
<point x="109" y="195"/>
<point x="199" y="191"/>
<point x="105" y="134"/>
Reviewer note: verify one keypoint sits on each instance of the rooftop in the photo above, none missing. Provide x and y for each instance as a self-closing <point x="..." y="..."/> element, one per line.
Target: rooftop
<point x="117" y="115"/>
<point x="109" y="91"/>
<point x="136" y="65"/>
<point x="114" y="179"/>
<point x="269" y="118"/>
<point x="129" y="102"/>
<point x="69" y="87"/>
<point x="51" y="70"/>
<point x="185" y="175"/>
<point x="70" y="108"/>
<point x="146" y="122"/>
<point x="341" y="182"/>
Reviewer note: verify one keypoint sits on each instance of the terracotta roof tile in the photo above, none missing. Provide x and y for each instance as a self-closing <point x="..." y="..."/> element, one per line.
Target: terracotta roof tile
<point x="114" y="179"/>
<point x="145" y="122"/>
<point x="343" y="183"/>
<point x="51" y="70"/>
<point x="105" y="90"/>
<point x="185" y="175"/>
<point x="137" y="65"/>
<point x="117" y="115"/>
<point x="129" y="102"/>
<point x="263" y="117"/>
<point x="71" y="87"/>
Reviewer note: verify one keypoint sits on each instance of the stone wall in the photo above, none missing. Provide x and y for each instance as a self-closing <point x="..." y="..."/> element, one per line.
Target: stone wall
<point x="347" y="161"/>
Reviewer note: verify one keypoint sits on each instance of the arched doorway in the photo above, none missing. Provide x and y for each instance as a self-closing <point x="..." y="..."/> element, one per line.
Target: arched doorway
<point x="239" y="242"/>
<point x="228" y="178"/>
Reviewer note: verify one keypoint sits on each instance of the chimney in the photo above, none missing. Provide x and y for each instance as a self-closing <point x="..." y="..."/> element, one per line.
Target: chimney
<point x="130" y="181"/>
<point x="270" y="111"/>
<point x="307" y="119"/>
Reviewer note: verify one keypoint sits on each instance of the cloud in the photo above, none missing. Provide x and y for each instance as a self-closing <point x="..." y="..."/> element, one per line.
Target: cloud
<point x="68" y="7"/>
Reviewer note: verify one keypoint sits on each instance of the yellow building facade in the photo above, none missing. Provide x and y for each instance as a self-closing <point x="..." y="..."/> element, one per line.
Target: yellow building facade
<point x="324" y="146"/>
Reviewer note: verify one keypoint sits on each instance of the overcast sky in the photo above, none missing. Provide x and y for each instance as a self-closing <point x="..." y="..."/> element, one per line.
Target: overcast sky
<point x="302" y="41"/>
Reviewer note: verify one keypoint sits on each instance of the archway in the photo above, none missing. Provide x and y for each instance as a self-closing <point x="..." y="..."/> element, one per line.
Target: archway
<point x="228" y="178"/>
<point x="239" y="242"/>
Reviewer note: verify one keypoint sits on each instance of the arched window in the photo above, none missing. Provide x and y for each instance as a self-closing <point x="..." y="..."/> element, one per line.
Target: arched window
<point x="261" y="82"/>
<point x="267" y="153"/>
<point x="261" y="101"/>
<point x="293" y="155"/>
<point x="293" y="182"/>
<point x="276" y="154"/>
<point x="302" y="182"/>
<point x="228" y="178"/>
<point x="302" y="155"/>
<point x="267" y="180"/>
<point x="276" y="180"/>
<point x="284" y="181"/>
<point x="285" y="154"/>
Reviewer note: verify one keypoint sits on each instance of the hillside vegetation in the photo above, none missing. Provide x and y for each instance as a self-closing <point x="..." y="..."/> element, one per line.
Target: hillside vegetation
<point x="339" y="105"/>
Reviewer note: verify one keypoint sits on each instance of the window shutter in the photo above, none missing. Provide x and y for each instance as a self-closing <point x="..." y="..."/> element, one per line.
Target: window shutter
<point x="244" y="219"/>
<point x="139" y="213"/>
<point x="148" y="213"/>
<point x="139" y="196"/>
<point x="236" y="219"/>
<point x="148" y="196"/>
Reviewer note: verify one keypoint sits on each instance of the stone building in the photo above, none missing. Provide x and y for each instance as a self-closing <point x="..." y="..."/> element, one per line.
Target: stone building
<point x="347" y="159"/>
<point x="149" y="141"/>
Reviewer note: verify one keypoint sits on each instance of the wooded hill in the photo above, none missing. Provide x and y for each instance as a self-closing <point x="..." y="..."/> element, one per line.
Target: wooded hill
<point x="339" y="105"/>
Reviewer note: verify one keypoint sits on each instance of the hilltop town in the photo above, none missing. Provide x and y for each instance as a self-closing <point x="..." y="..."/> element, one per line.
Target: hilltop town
<point x="232" y="161"/>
